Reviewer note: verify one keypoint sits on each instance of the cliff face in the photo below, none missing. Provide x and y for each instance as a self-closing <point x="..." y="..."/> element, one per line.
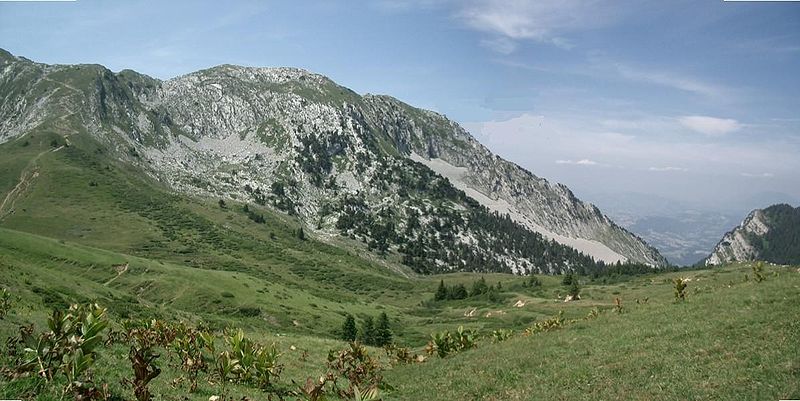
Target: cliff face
<point x="351" y="165"/>
<point x="771" y="234"/>
<point x="738" y="245"/>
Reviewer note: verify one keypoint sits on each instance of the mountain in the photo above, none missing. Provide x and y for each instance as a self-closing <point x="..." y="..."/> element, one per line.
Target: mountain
<point x="771" y="234"/>
<point x="369" y="169"/>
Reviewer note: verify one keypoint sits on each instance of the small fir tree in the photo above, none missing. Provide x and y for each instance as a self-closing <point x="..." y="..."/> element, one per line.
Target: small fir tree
<point x="349" y="331"/>
<point x="441" y="292"/>
<point x="574" y="290"/>
<point x="383" y="333"/>
<point x="367" y="334"/>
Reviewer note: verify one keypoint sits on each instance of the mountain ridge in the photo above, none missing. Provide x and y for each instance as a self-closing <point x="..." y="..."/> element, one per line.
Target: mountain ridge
<point x="207" y="133"/>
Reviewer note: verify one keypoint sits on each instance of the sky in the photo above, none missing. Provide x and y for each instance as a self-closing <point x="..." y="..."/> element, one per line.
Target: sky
<point x="696" y="101"/>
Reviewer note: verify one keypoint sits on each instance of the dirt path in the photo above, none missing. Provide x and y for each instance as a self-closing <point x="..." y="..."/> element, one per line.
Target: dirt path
<point x="26" y="178"/>
<point x="120" y="270"/>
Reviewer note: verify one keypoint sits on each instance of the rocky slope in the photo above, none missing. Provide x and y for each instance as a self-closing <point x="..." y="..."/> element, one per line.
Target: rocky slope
<point x="771" y="234"/>
<point x="371" y="168"/>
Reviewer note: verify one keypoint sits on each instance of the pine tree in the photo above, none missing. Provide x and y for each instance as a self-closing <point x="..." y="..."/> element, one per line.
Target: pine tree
<point x="349" y="331"/>
<point x="458" y="292"/>
<point x="383" y="333"/>
<point x="574" y="290"/>
<point x="301" y="235"/>
<point x="479" y="287"/>
<point x="367" y="334"/>
<point x="441" y="292"/>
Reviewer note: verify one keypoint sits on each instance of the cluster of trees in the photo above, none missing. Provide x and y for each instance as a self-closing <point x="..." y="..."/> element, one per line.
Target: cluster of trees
<point x="781" y="244"/>
<point x="252" y="215"/>
<point x="373" y="333"/>
<point x="459" y="291"/>
<point x="315" y="154"/>
<point x="437" y="246"/>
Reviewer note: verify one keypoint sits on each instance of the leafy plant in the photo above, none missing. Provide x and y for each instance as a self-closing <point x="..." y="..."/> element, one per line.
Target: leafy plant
<point x="501" y="335"/>
<point x="5" y="302"/>
<point x="358" y="368"/>
<point x="144" y="336"/>
<point x="188" y="346"/>
<point x="758" y="271"/>
<point x="680" y="289"/>
<point x="618" y="308"/>
<point x="553" y="323"/>
<point x="68" y="347"/>
<point x="445" y="343"/>
<point x="402" y="355"/>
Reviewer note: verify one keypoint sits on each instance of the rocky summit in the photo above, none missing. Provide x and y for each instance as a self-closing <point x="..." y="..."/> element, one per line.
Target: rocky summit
<point x="771" y="234"/>
<point x="365" y="169"/>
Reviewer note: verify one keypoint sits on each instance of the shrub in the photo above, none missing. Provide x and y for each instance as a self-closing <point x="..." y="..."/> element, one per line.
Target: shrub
<point x="5" y="302"/>
<point x="618" y="305"/>
<point x="758" y="271"/>
<point x="553" y="323"/>
<point x="680" y="289"/>
<point x="68" y="347"/>
<point x="249" y="311"/>
<point x="357" y="368"/>
<point x="445" y="343"/>
<point x="574" y="290"/>
<point x="144" y="337"/>
<point x="501" y="335"/>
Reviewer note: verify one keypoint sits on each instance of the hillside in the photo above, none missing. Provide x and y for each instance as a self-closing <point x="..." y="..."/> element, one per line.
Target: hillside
<point x="771" y="234"/>
<point x="352" y="169"/>
<point x="742" y="330"/>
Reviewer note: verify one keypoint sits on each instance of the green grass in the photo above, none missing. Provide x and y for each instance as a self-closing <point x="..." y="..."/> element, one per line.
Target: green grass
<point x="188" y="259"/>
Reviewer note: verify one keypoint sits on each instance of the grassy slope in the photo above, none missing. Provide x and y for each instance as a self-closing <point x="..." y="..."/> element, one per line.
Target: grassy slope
<point x="60" y="241"/>
<point x="728" y="341"/>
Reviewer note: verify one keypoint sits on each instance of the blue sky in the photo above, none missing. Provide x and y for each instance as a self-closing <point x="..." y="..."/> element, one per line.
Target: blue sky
<point x="692" y="100"/>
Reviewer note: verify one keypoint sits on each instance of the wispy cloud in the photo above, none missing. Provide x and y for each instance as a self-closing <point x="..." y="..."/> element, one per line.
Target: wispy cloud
<point x="582" y="162"/>
<point x="668" y="168"/>
<point x="757" y="175"/>
<point x="500" y="45"/>
<point x="711" y="126"/>
<point x="670" y="80"/>
<point x="540" y="21"/>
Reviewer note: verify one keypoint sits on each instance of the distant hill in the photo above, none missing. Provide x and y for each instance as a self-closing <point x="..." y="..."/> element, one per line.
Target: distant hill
<point x="771" y="234"/>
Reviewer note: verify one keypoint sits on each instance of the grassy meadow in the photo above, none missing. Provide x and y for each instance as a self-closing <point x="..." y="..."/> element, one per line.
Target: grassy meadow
<point x="85" y="228"/>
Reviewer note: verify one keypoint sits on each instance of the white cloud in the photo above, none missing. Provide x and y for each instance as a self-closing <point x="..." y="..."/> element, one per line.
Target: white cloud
<point x="670" y="80"/>
<point x="668" y="168"/>
<point x="541" y="21"/>
<point x="711" y="126"/>
<point x="582" y="162"/>
<point x="500" y="45"/>
<point x="757" y="175"/>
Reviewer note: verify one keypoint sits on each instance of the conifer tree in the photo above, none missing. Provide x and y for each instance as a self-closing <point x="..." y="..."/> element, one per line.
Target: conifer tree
<point x="383" y="333"/>
<point x="349" y="331"/>
<point x="441" y="292"/>
<point x="367" y="333"/>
